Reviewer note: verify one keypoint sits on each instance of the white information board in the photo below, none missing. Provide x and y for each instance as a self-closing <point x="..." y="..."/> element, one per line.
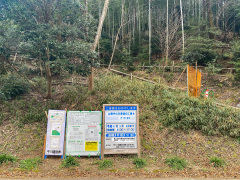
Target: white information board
<point x="121" y="129"/>
<point x="83" y="136"/>
<point x="55" y="133"/>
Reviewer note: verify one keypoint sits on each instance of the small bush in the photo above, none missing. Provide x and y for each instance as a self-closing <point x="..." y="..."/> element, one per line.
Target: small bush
<point x="201" y="50"/>
<point x="7" y="158"/>
<point x="217" y="162"/>
<point x="30" y="164"/>
<point x="139" y="162"/>
<point x="105" y="164"/>
<point x="40" y="83"/>
<point x="176" y="163"/>
<point x="236" y="58"/>
<point x="12" y="86"/>
<point x="69" y="162"/>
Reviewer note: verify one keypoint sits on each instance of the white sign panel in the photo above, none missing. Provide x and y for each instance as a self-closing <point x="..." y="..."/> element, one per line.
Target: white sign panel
<point x="83" y="136"/>
<point x="120" y="127"/>
<point x="55" y="132"/>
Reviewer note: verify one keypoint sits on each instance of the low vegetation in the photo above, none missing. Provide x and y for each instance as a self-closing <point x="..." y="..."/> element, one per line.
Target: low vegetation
<point x="139" y="162"/>
<point x="70" y="161"/>
<point x="7" y="158"/>
<point x="103" y="164"/>
<point x="217" y="162"/>
<point x="30" y="164"/>
<point x="176" y="163"/>
<point x="12" y="86"/>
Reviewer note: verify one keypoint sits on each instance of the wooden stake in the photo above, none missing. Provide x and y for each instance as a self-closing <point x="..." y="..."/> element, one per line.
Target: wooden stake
<point x="46" y="114"/>
<point x="187" y="81"/>
<point x="180" y="76"/>
<point x="91" y="80"/>
<point x="44" y="146"/>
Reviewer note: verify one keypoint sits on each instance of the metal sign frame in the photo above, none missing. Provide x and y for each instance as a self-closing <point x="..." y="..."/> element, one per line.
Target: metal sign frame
<point x="118" y="107"/>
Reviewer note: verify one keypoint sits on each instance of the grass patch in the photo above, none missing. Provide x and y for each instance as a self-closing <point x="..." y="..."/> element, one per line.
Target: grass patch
<point x="217" y="162"/>
<point x="139" y="162"/>
<point x="103" y="164"/>
<point x="176" y="163"/>
<point x="70" y="161"/>
<point x="30" y="164"/>
<point x="7" y="158"/>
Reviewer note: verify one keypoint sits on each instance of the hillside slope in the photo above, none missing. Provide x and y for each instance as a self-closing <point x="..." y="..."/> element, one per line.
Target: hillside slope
<point x="171" y="124"/>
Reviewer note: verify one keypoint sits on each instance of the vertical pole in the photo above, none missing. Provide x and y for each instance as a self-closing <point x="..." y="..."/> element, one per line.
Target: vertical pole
<point x="150" y="30"/>
<point x="187" y="80"/>
<point x="182" y="25"/>
<point x="196" y="79"/>
<point x="91" y="80"/>
<point x="44" y="146"/>
<point x="167" y="46"/>
<point x="103" y="134"/>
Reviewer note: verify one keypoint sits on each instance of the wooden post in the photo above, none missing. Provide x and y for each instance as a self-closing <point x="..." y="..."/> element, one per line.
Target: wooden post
<point x="91" y="80"/>
<point x="44" y="146"/>
<point x="180" y="76"/>
<point x="131" y="77"/>
<point x="187" y="81"/>
<point x="172" y="66"/>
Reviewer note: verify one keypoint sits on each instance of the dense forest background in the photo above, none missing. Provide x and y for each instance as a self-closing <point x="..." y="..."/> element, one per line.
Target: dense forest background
<point x="60" y="36"/>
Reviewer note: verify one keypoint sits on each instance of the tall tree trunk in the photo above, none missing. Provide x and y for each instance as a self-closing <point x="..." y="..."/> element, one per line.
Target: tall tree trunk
<point x="115" y="44"/>
<point x="49" y="81"/>
<point x="101" y="20"/>
<point x="86" y="14"/>
<point x="167" y="34"/>
<point x="139" y="24"/>
<point x="150" y="29"/>
<point x="86" y="6"/>
<point x="49" y="75"/>
<point x="183" y="40"/>
<point x="122" y="21"/>
<point x="96" y="41"/>
<point x="210" y="18"/>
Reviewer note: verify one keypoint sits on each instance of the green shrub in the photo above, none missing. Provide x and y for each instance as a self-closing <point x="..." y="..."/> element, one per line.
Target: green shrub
<point x="12" y="86"/>
<point x="69" y="162"/>
<point x="33" y="111"/>
<point x="217" y="162"/>
<point x="105" y="163"/>
<point x="201" y="50"/>
<point x="30" y="164"/>
<point x="2" y="68"/>
<point x="7" y="158"/>
<point x="40" y="83"/>
<point x="176" y="163"/>
<point x="236" y="57"/>
<point x="139" y="162"/>
<point x="25" y="69"/>
<point x="212" y="68"/>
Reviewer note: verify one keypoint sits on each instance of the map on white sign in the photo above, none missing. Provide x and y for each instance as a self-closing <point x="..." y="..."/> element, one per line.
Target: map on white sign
<point x="55" y="133"/>
<point x="83" y="137"/>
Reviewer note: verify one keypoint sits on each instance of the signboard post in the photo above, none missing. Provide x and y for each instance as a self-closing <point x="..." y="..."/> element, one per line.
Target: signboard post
<point x="55" y="133"/>
<point x="120" y="129"/>
<point x="83" y="136"/>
